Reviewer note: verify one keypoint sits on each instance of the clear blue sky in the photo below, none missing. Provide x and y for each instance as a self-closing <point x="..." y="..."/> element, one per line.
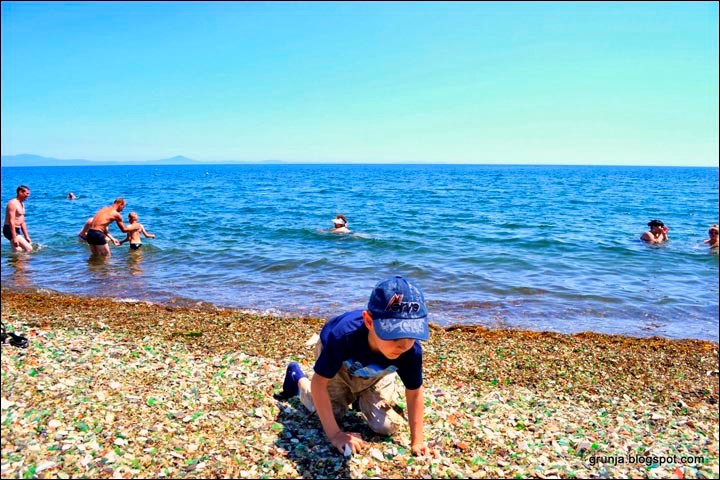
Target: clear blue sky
<point x="632" y="83"/>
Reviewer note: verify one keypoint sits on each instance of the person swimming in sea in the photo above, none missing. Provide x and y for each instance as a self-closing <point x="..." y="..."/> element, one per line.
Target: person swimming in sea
<point x="657" y="233"/>
<point x="340" y="222"/>
<point x="712" y="242"/>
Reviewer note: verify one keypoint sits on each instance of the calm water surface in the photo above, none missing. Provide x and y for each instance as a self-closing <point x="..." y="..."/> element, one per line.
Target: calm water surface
<point x="539" y="247"/>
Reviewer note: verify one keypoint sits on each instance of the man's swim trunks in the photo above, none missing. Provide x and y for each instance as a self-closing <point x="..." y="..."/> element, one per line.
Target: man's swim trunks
<point x="7" y="231"/>
<point x="96" y="237"/>
<point x="135" y="246"/>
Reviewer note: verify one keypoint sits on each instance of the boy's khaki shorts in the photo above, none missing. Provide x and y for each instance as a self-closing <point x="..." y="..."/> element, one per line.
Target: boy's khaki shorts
<point x="375" y="396"/>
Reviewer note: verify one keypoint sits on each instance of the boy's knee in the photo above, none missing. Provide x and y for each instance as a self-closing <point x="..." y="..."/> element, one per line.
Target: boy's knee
<point x="381" y="418"/>
<point x="383" y="426"/>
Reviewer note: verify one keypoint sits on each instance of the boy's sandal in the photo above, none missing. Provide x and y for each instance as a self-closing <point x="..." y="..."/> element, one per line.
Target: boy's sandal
<point x="18" y="340"/>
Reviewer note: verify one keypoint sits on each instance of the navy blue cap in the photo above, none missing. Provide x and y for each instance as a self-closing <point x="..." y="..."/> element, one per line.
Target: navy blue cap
<point x="398" y="310"/>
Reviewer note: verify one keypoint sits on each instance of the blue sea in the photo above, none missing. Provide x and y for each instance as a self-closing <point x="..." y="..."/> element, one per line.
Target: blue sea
<point x="545" y="248"/>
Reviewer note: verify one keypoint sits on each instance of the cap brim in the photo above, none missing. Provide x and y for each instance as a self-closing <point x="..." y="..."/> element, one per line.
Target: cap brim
<point x="396" y="328"/>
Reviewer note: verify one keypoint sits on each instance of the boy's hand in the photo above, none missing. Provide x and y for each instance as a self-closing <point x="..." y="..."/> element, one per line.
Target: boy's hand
<point x="340" y="439"/>
<point x="422" y="449"/>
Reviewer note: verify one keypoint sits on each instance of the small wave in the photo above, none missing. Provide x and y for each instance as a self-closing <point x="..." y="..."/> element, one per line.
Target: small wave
<point x="588" y="297"/>
<point x="269" y="312"/>
<point x="131" y="300"/>
<point x="293" y="264"/>
<point x="325" y="233"/>
<point x="464" y="305"/>
<point x="528" y="291"/>
<point x="513" y="225"/>
<point x="362" y="236"/>
<point x="146" y="247"/>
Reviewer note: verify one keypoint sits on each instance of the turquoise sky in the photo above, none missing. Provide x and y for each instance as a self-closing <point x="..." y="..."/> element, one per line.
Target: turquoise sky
<point x="616" y="83"/>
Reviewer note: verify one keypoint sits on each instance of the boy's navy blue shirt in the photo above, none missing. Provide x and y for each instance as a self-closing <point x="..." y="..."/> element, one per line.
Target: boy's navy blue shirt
<point x="345" y="344"/>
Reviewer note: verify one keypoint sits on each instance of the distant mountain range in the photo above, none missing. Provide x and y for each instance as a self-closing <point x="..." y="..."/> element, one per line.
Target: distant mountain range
<point x="26" y="160"/>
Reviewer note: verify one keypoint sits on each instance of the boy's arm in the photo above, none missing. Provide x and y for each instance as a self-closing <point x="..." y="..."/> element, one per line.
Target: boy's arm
<point x="147" y="235"/>
<point x="416" y="412"/>
<point x="323" y="407"/>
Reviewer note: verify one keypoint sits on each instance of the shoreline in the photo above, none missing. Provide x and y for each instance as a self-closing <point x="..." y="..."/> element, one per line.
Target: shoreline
<point x="199" y="382"/>
<point x="181" y="302"/>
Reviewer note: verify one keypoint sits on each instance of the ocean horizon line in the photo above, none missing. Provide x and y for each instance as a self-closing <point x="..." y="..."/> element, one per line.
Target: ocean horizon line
<point x="152" y="163"/>
<point x="34" y="160"/>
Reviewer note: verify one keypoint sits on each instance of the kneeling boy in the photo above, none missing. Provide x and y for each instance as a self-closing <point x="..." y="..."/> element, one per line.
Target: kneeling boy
<point x="357" y="357"/>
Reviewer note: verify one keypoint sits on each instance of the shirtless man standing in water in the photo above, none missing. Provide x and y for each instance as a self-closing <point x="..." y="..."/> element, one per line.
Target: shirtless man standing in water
<point x="15" y="221"/>
<point x="97" y="234"/>
<point x="82" y="234"/>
